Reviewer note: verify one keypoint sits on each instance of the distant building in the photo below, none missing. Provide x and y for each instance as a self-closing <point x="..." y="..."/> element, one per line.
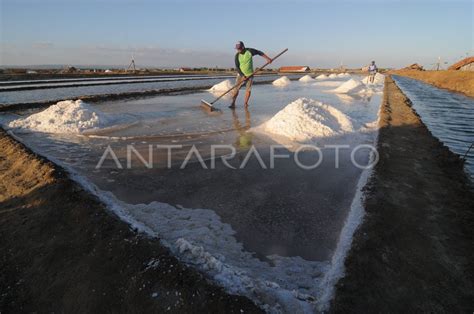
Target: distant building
<point x="294" y="69"/>
<point x="463" y="65"/>
<point x="185" y="69"/>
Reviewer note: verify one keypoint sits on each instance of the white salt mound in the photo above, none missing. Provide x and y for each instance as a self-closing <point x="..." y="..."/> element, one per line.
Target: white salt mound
<point x="328" y="83"/>
<point x="222" y="86"/>
<point x="343" y="75"/>
<point x="332" y="75"/>
<point x="352" y="86"/>
<point x="306" y="79"/>
<point x="322" y="77"/>
<point x="282" y="81"/>
<point x="378" y="80"/>
<point x="67" y="116"/>
<point x="306" y="119"/>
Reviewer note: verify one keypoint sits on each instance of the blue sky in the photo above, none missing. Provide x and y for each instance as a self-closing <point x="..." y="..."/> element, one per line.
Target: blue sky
<point x="203" y="33"/>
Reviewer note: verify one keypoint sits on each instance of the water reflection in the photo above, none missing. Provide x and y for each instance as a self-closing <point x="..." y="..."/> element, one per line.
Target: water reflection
<point x="244" y="138"/>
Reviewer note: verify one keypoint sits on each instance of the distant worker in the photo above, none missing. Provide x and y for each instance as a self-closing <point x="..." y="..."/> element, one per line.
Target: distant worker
<point x="372" y="71"/>
<point x="244" y="66"/>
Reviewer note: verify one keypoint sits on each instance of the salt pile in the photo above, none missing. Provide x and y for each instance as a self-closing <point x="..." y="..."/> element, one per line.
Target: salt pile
<point x="306" y="79"/>
<point x="343" y="75"/>
<point x="352" y="86"/>
<point x="348" y="99"/>
<point x="67" y="116"/>
<point x="306" y="119"/>
<point x="282" y="81"/>
<point x="322" y="77"/>
<point x="332" y="75"/>
<point x="222" y="86"/>
<point x="379" y="79"/>
<point x="328" y="83"/>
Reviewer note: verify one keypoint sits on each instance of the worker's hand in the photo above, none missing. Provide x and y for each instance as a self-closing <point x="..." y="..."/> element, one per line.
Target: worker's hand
<point x="269" y="60"/>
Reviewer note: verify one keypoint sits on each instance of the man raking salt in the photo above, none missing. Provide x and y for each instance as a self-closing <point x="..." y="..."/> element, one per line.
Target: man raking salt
<point x="244" y="66"/>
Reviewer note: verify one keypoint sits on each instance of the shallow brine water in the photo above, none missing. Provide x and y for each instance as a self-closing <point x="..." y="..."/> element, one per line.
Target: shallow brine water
<point x="274" y="232"/>
<point x="449" y="116"/>
<point x="138" y="85"/>
<point x="16" y="83"/>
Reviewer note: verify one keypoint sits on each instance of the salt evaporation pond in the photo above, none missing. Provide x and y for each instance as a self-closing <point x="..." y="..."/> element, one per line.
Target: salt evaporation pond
<point x="449" y="116"/>
<point x="275" y="235"/>
<point x="15" y="83"/>
<point x="139" y="85"/>
<point x="25" y="85"/>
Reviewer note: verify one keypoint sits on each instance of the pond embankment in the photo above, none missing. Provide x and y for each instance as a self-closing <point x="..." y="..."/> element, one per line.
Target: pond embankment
<point x="413" y="252"/>
<point x="457" y="81"/>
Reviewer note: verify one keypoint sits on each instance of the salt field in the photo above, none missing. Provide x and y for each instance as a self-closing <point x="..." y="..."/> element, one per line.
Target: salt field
<point x="154" y="159"/>
<point x="281" y="237"/>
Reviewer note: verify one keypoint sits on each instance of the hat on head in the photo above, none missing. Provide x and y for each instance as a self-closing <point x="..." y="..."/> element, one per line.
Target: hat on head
<point x="239" y="45"/>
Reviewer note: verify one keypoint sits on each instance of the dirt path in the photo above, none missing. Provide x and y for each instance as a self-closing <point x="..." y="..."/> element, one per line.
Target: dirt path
<point x="63" y="252"/>
<point x="414" y="250"/>
<point x="457" y="81"/>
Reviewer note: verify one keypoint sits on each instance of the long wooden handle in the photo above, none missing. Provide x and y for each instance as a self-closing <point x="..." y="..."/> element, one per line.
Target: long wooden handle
<point x="254" y="72"/>
<point x="263" y="66"/>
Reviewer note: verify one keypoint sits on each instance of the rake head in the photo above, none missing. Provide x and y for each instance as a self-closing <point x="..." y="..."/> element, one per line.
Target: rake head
<point x="208" y="106"/>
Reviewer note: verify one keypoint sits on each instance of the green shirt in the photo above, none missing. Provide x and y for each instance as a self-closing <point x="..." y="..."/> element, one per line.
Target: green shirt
<point x="244" y="61"/>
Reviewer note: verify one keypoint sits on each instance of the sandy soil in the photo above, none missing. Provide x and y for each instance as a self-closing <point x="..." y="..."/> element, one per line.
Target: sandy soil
<point x="413" y="252"/>
<point x="63" y="252"/>
<point x="458" y="81"/>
